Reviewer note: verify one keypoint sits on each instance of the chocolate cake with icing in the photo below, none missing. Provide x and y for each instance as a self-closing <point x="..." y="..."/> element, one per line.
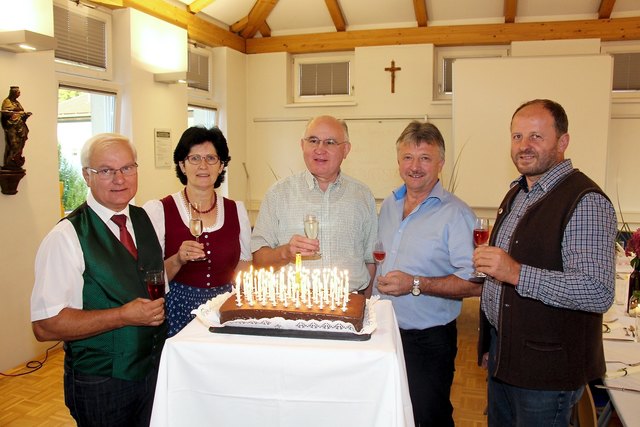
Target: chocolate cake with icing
<point x="353" y="312"/>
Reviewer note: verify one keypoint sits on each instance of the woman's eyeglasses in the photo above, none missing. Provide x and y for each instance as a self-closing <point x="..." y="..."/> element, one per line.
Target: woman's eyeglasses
<point x="196" y="159"/>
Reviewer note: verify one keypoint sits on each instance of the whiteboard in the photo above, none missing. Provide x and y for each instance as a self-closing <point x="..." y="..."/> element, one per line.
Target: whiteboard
<point x="487" y="91"/>
<point x="373" y="159"/>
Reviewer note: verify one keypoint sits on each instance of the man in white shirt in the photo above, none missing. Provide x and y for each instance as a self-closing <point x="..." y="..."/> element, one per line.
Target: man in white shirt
<point x="90" y="292"/>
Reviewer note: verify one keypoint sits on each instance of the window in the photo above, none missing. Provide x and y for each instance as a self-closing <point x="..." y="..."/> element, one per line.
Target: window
<point x="446" y="57"/>
<point x="626" y="69"/>
<point x="626" y="72"/>
<point x="202" y="116"/>
<point x="198" y="71"/>
<point x="323" y="78"/>
<point x="83" y="40"/>
<point x="81" y="114"/>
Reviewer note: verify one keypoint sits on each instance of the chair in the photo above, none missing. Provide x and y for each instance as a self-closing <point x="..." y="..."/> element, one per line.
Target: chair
<point x="585" y="410"/>
<point x="584" y="413"/>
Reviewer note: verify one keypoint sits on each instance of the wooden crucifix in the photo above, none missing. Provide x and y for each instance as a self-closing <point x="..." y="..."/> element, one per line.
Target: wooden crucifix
<point x="393" y="70"/>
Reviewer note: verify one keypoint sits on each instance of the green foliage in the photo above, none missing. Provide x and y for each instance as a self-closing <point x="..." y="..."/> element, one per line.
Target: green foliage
<point x="64" y="94"/>
<point x="75" y="189"/>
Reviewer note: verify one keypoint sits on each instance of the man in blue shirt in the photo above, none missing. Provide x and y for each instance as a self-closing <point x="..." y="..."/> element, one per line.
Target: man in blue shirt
<point x="428" y="236"/>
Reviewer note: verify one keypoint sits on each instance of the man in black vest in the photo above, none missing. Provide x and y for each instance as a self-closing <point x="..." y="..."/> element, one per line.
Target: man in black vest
<point x="90" y="292"/>
<point x="550" y="267"/>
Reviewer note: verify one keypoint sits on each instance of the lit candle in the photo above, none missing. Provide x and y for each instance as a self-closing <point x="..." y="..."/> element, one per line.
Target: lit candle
<point x="298" y="267"/>
<point x="238" y="285"/>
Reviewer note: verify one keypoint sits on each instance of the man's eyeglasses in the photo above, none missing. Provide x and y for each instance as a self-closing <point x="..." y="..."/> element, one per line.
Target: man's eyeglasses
<point x="107" y="173"/>
<point x="317" y="142"/>
<point x="196" y="159"/>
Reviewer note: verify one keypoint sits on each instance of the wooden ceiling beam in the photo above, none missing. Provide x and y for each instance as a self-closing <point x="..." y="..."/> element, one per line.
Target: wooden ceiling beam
<point x="257" y="17"/>
<point x="198" y="5"/>
<point x="240" y="25"/>
<point x="198" y="29"/>
<point x="265" y="30"/>
<point x="336" y="15"/>
<point x="456" y="35"/>
<point x="113" y="4"/>
<point x="510" y="10"/>
<point x="420" y="9"/>
<point x="605" y="9"/>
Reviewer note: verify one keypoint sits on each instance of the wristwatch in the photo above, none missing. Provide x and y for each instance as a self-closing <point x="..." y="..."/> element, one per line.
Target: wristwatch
<point x="415" y="290"/>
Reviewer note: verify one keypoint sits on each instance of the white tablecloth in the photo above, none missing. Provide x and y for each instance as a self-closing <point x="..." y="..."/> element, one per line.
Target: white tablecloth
<point x="243" y="380"/>
<point x="626" y="403"/>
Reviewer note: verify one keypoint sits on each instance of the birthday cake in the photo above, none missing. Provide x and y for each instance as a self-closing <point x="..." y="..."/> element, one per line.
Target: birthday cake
<point x="353" y="312"/>
<point x="299" y="295"/>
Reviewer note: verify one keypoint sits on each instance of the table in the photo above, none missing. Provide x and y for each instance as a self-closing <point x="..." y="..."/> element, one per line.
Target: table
<point x="627" y="404"/>
<point x="245" y="380"/>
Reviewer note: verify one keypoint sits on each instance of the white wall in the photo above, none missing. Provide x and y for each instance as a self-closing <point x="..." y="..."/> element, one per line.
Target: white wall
<point x="26" y="217"/>
<point x="230" y="92"/>
<point x="623" y="178"/>
<point x="148" y="104"/>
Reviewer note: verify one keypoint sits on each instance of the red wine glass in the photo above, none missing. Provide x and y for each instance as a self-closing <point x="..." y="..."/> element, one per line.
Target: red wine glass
<point x="155" y="283"/>
<point x="480" y="238"/>
<point x="378" y="255"/>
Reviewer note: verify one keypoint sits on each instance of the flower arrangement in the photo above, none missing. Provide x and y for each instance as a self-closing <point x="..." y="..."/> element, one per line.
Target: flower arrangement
<point x="633" y="248"/>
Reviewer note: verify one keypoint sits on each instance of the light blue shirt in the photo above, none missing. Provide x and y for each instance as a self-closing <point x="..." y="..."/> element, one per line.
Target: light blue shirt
<point x="434" y="240"/>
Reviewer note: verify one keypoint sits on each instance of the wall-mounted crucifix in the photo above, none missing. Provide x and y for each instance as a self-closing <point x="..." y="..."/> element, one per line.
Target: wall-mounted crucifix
<point x="393" y="70"/>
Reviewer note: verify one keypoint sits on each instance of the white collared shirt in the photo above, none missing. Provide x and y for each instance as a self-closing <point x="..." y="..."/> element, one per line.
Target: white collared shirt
<point x="59" y="265"/>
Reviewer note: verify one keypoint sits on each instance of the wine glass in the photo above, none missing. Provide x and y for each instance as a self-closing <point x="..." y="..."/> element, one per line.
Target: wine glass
<point x="195" y="224"/>
<point x="155" y="283"/>
<point x="311" y="227"/>
<point x="480" y="238"/>
<point x="379" y="255"/>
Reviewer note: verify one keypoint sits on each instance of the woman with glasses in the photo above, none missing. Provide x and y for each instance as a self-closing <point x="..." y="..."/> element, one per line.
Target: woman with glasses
<point x="198" y="270"/>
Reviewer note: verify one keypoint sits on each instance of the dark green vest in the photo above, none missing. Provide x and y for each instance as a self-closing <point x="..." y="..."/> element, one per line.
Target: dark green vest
<point x="112" y="277"/>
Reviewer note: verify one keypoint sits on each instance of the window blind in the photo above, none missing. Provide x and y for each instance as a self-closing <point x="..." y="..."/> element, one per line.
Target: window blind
<point x="330" y="78"/>
<point x="626" y="71"/>
<point x="80" y="39"/>
<point x="198" y="71"/>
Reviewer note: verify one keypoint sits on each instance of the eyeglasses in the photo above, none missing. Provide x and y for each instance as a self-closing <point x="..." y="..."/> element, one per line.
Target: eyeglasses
<point x="196" y="159"/>
<point x="107" y="173"/>
<point x="317" y="142"/>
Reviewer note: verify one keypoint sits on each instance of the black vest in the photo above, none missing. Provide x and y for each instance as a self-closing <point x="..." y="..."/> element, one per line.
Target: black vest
<point x="540" y="346"/>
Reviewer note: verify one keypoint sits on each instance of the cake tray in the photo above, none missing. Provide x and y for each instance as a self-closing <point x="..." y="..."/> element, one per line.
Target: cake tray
<point x="290" y="333"/>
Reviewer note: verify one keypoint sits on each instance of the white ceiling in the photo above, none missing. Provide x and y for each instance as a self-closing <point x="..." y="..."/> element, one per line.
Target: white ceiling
<point x="290" y="17"/>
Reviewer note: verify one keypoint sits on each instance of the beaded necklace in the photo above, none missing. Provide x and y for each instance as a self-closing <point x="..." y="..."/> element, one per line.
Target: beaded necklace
<point x="215" y="201"/>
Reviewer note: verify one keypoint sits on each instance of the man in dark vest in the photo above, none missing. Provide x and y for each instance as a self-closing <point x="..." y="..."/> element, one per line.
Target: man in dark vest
<point x="550" y="267"/>
<point x="90" y="292"/>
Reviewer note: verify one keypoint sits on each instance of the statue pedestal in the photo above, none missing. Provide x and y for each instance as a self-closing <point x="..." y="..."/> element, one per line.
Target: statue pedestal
<point x="9" y="180"/>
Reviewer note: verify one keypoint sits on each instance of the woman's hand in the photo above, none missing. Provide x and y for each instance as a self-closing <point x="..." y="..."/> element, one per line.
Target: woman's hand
<point x="189" y="250"/>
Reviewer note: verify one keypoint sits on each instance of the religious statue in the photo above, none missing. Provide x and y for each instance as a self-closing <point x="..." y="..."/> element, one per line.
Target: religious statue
<point x="14" y="123"/>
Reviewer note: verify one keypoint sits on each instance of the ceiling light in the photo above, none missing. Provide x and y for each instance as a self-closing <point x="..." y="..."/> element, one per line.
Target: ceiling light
<point x="175" y="77"/>
<point x="25" y="41"/>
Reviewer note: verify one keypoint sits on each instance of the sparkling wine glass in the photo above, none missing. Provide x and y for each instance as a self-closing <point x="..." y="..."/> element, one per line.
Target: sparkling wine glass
<point x="378" y="255"/>
<point x="155" y="283"/>
<point x="480" y="238"/>
<point x="311" y="227"/>
<point x="195" y="224"/>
